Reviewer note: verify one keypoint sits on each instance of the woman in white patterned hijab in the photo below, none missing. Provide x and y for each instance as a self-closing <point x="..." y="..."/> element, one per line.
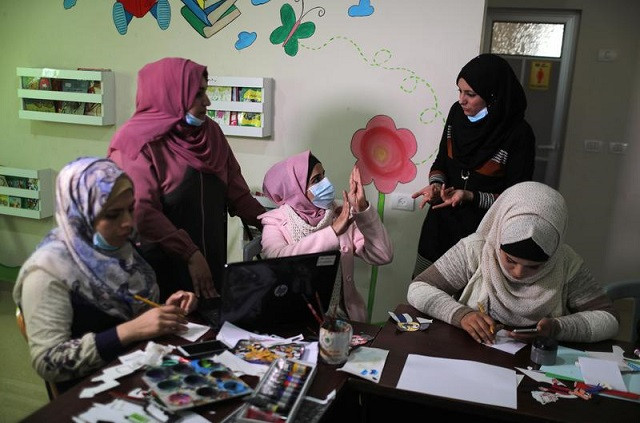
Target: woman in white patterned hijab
<point x="516" y="270"/>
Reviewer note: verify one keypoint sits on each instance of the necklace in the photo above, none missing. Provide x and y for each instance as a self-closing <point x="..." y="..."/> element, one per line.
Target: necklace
<point x="464" y="174"/>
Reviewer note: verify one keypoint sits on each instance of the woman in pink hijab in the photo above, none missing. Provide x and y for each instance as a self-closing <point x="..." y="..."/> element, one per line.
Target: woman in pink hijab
<point x="308" y="221"/>
<point x="186" y="177"/>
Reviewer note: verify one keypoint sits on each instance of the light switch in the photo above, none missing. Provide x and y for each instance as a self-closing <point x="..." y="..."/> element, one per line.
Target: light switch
<point x="607" y="55"/>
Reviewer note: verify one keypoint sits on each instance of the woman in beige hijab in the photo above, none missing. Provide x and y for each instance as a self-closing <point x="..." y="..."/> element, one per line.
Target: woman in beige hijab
<point x="516" y="270"/>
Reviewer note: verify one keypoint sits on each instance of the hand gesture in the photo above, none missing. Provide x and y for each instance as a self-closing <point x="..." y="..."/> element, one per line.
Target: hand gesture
<point x="187" y="301"/>
<point x="357" y="196"/>
<point x="201" y="276"/>
<point x="430" y="194"/>
<point x="451" y="197"/>
<point x="342" y="220"/>
<point x="157" y="321"/>
<point x="480" y="326"/>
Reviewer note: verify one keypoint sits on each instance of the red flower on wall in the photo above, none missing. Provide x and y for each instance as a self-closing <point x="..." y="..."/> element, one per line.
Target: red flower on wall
<point x="383" y="153"/>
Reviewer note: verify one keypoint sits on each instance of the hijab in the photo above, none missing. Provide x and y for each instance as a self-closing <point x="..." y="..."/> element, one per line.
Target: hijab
<point x="286" y="183"/>
<point x="493" y="79"/>
<point x="107" y="280"/>
<point x="528" y="210"/>
<point x="166" y="91"/>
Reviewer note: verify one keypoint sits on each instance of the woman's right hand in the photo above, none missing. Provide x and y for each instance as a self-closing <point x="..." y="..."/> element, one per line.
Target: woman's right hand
<point x="430" y="194"/>
<point x="158" y="321"/>
<point x="342" y="221"/>
<point x="201" y="276"/>
<point x="479" y="325"/>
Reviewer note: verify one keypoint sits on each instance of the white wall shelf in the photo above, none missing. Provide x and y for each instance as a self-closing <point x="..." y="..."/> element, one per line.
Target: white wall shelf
<point x="42" y="179"/>
<point x="106" y="97"/>
<point x="264" y="107"/>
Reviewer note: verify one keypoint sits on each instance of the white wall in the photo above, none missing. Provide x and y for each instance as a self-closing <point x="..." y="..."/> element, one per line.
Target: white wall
<point x="350" y="70"/>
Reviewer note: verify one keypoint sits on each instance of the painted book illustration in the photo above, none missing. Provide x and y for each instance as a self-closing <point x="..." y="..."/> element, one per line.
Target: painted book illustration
<point x="211" y="18"/>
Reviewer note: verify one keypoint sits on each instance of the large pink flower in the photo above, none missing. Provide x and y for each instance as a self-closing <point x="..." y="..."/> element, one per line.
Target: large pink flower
<point x="384" y="153"/>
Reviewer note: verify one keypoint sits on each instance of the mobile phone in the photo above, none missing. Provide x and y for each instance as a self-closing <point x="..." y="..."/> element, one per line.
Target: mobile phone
<point x="525" y="330"/>
<point x="198" y="349"/>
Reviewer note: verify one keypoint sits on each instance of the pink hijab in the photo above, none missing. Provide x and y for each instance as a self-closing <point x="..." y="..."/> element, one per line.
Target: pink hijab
<point x="286" y="183"/>
<point x="166" y="90"/>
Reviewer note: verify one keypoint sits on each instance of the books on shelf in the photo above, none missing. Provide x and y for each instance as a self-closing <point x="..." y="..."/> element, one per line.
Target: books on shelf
<point x="216" y="93"/>
<point x="211" y="18"/>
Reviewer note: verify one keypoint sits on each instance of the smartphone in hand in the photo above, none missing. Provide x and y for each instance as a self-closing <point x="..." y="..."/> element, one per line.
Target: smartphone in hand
<point x="198" y="349"/>
<point x="525" y="330"/>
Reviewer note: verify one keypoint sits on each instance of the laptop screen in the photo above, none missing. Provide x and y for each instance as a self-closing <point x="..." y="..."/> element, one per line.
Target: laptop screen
<point x="276" y="291"/>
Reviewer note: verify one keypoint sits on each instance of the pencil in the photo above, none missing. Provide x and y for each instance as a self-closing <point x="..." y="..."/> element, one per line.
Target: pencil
<point x="313" y="310"/>
<point x="146" y="301"/>
<point x="481" y="308"/>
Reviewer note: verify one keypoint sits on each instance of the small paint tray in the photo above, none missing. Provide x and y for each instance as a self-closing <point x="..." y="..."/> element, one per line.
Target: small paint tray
<point x="190" y="384"/>
<point x="279" y="393"/>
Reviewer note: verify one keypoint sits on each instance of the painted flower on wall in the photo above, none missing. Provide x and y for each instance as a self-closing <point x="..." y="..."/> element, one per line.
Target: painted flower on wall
<point x="383" y="153"/>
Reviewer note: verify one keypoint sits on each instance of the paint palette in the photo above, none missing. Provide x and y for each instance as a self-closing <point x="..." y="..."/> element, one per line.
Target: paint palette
<point x="256" y="352"/>
<point x="183" y="385"/>
<point x="279" y="393"/>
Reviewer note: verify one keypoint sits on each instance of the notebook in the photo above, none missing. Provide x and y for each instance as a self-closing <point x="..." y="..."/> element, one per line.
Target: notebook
<point x="261" y="294"/>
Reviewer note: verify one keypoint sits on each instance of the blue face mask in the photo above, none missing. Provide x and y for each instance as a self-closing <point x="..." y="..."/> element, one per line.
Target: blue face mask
<point x="192" y="120"/>
<point x="100" y="242"/>
<point x="482" y="113"/>
<point x="323" y="194"/>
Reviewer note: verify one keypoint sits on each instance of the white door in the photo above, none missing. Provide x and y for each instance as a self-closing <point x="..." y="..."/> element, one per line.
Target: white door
<point x="540" y="46"/>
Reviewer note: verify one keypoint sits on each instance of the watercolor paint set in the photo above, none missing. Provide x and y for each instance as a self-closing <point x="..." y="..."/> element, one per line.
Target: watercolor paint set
<point x="279" y="393"/>
<point x="185" y="384"/>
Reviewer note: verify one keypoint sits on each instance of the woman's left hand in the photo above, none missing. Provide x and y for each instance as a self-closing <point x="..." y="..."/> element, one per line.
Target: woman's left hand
<point x="452" y="197"/>
<point x="187" y="301"/>
<point x="357" y="196"/>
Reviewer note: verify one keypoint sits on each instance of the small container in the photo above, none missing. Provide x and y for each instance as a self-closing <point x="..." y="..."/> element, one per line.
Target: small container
<point x="335" y="341"/>
<point x="544" y="351"/>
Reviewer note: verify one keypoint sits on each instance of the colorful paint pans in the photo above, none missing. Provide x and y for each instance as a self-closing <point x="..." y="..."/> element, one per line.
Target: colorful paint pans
<point x="185" y="385"/>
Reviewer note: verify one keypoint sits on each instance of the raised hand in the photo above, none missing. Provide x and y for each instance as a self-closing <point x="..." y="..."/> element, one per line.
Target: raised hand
<point x="342" y="220"/>
<point x="357" y="196"/>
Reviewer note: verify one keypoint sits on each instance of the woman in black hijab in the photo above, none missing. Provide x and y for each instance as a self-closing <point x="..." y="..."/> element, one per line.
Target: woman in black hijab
<point x="486" y="147"/>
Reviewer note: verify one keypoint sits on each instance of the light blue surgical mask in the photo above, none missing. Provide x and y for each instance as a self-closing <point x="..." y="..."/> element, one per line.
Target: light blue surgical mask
<point x="482" y="113"/>
<point x="323" y="194"/>
<point x="100" y="242"/>
<point x="192" y="120"/>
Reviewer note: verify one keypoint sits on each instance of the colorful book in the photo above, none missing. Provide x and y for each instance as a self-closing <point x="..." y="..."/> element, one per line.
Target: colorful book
<point x="207" y="31"/>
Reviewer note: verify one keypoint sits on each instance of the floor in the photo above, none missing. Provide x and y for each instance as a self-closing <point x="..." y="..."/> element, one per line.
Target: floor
<point x="21" y="389"/>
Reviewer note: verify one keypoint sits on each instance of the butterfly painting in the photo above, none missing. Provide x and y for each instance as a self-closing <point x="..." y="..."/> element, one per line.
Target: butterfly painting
<point x="292" y="29"/>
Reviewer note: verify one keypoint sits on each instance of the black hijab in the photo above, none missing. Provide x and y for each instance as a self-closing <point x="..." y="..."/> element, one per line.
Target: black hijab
<point x="492" y="78"/>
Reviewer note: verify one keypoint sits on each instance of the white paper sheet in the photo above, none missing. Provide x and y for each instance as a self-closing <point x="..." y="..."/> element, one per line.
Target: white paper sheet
<point x="366" y="362"/>
<point x="504" y="342"/>
<point x="596" y="371"/>
<point x="460" y="379"/>
<point x="194" y="331"/>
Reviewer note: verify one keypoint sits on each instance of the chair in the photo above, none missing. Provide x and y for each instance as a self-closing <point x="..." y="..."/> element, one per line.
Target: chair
<point x="253" y="247"/>
<point x="52" y="391"/>
<point x="628" y="289"/>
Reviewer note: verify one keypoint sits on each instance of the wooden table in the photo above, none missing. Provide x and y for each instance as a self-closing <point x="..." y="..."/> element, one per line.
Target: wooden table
<point x="67" y="405"/>
<point x="383" y="402"/>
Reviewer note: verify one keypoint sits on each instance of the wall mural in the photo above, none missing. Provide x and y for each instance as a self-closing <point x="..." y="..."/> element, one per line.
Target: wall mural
<point x="383" y="152"/>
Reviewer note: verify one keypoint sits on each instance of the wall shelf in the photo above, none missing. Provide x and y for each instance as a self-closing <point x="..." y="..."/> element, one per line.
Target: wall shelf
<point x="41" y="192"/>
<point x="52" y="98"/>
<point x="224" y="102"/>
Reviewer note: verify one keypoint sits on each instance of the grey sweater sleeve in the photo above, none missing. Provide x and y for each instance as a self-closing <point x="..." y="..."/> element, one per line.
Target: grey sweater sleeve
<point x="48" y="314"/>
<point x="592" y="316"/>
<point x="432" y="291"/>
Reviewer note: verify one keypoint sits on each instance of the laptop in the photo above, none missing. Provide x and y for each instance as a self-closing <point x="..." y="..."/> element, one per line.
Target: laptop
<point x="261" y="294"/>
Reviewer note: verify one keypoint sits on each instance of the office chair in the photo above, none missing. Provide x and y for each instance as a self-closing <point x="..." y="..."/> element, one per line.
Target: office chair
<point x="52" y="391"/>
<point x="628" y="289"/>
<point x="253" y="247"/>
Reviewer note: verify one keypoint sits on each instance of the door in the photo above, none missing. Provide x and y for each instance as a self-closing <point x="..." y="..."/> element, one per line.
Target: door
<point x="540" y="47"/>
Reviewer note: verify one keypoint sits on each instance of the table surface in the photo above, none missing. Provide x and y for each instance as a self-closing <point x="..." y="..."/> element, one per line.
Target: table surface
<point x="446" y="341"/>
<point x="67" y="405"/>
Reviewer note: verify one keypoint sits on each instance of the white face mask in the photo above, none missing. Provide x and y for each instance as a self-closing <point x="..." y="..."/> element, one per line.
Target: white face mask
<point x="192" y="120"/>
<point x="482" y="113"/>
<point x="323" y="194"/>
